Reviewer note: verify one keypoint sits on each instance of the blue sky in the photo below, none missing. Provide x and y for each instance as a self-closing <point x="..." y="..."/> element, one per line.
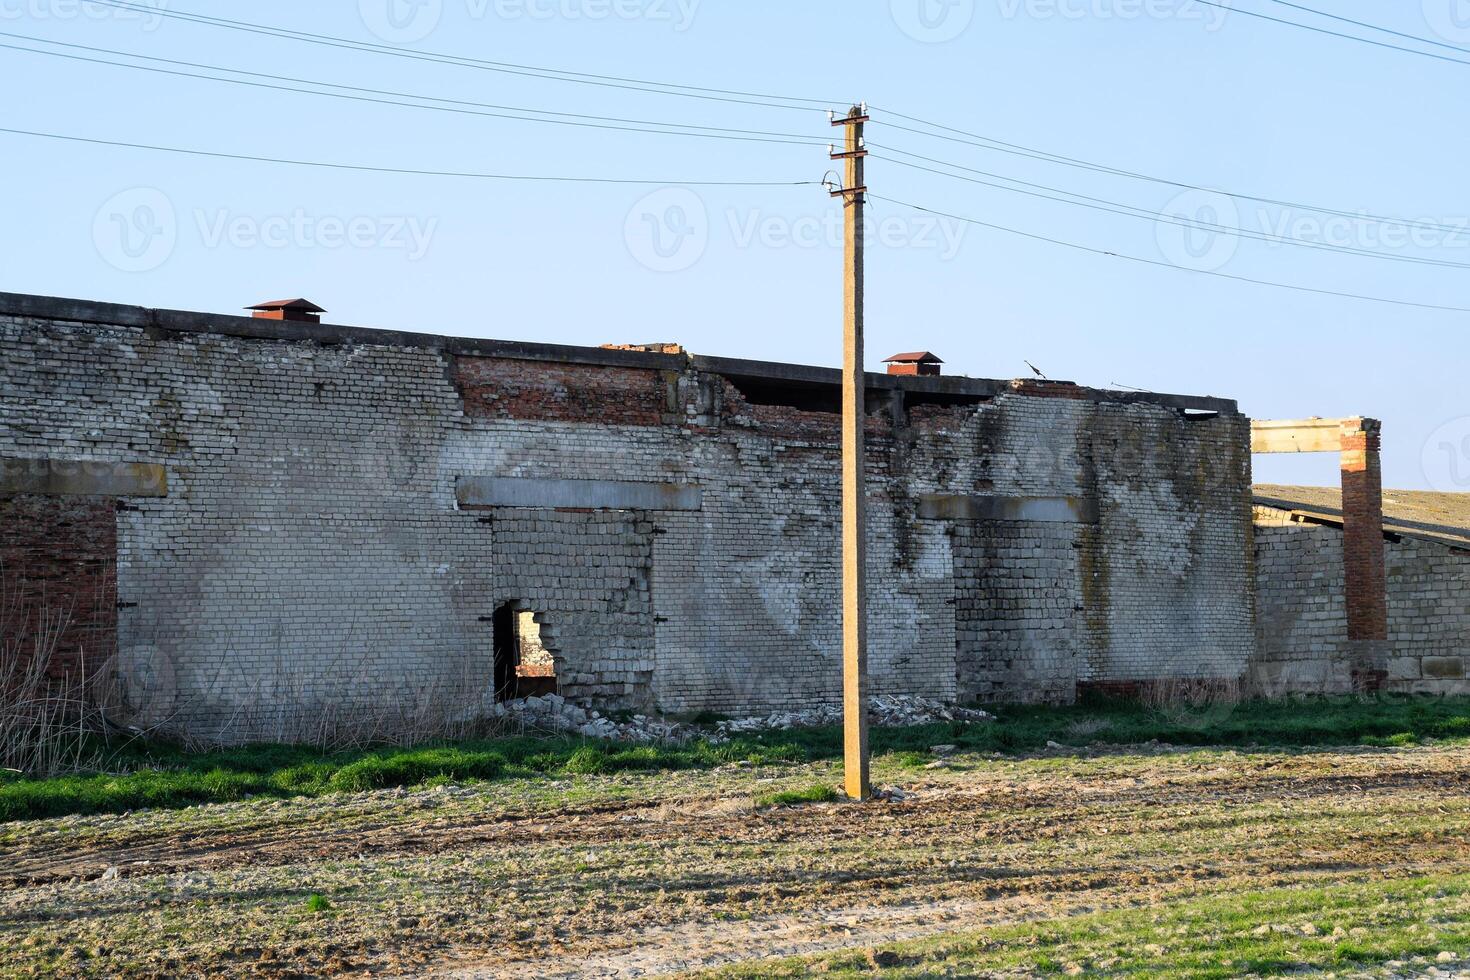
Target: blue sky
<point x="1170" y="88"/>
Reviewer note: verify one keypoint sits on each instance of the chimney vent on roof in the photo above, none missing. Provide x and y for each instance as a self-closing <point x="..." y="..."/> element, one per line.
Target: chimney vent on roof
<point x="919" y="362"/>
<point x="297" y="310"/>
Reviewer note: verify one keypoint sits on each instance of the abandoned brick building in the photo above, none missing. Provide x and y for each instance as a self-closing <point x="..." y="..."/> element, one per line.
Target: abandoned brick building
<point x="250" y="520"/>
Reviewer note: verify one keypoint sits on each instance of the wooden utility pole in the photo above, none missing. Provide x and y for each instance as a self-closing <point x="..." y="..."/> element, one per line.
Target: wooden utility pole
<point x="854" y="503"/>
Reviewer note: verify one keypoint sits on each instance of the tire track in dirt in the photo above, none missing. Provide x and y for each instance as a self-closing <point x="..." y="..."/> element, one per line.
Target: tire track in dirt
<point x="628" y="820"/>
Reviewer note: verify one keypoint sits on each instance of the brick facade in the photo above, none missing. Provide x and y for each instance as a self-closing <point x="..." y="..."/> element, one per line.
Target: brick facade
<point x="310" y="554"/>
<point x="501" y="388"/>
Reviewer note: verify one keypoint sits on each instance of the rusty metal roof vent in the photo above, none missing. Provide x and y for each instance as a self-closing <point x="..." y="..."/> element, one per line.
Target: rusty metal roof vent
<point x="920" y="362"/>
<point x="297" y="310"/>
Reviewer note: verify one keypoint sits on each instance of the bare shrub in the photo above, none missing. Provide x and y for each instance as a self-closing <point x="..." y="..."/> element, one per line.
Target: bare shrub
<point x="45" y="719"/>
<point x="1193" y="701"/>
<point x="288" y="706"/>
<point x="1087" y="727"/>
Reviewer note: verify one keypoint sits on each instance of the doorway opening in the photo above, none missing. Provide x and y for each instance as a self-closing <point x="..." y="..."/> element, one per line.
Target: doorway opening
<point x="524" y="667"/>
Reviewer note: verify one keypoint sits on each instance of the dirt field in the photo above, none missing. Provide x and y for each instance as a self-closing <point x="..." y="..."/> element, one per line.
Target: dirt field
<point x="659" y="873"/>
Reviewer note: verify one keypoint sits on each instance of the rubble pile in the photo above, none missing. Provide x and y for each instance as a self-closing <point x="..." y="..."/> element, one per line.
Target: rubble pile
<point x="884" y="710"/>
<point x="554" y="714"/>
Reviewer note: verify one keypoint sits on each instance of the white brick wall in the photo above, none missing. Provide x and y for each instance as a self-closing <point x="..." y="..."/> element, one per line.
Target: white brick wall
<point x="1302" y="638"/>
<point x="310" y="555"/>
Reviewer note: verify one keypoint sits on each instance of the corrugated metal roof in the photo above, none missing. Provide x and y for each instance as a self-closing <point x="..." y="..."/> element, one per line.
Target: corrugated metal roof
<point x="1424" y="514"/>
<point x="913" y="357"/>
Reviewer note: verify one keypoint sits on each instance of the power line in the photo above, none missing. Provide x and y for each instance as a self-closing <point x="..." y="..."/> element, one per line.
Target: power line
<point x="1169" y="265"/>
<point x="416" y="173"/>
<point x="764" y="99"/>
<point x="787" y="138"/>
<point x="1348" y="37"/>
<point x="1032" y="153"/>
<point x="1373" y="27"/>
<point x="374" y="91"/>
<point x="1128" y="210"/>
<point x="552" y="74"/>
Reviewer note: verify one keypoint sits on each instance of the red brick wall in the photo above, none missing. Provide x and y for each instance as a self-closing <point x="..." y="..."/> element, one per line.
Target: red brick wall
<point x="1050" y="389"/>
<point x="1362" y="526"/>
<point x="786" y="422"/>
<point x="535" y="390"/>
<point x="58" y="564"/>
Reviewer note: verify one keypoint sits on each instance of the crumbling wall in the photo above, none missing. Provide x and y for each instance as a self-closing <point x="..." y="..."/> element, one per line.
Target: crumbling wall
<point x="498" y="387"/>
<point x="307" y="559"/>
<point x="1017" y="584"/>
<point x="1017" y="593"/>
<point x="586" y="575"/>
<point x="312" y="558"/>
<point x="1157" y="588"/>
<point x="1302" y="637"/>
<point x="748" y="590"/>
<point x="1169" y="586"/>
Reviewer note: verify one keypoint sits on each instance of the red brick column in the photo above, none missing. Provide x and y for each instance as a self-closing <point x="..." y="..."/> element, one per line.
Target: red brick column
<point x="1363" y="552"/>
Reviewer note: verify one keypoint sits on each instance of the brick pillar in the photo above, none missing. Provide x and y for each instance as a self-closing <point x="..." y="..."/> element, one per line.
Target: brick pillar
<point x="1363" y="553"/>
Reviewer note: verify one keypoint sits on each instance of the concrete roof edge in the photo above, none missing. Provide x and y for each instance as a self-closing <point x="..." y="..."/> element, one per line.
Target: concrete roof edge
<point x="254" y="328"/>
<point x="229" y="325"/>
<point x="952" y="384"/>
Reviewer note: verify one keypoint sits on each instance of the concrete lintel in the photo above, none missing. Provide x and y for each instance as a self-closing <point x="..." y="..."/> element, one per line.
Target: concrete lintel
<point x="500" y="491"/>
<point x="82" y="478"/>
<point x="1303" y="435"/>
<point x="1045" y="510"/>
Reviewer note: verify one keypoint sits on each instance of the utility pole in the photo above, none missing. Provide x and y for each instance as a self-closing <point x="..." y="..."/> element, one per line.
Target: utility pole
<point x="854" y="503"/>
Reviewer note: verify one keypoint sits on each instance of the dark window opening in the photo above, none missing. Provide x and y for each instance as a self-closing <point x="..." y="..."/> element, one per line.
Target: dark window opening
<point x="806" y="396"/>
<point x="524" y="666"/>
<point x="943" y="399"/>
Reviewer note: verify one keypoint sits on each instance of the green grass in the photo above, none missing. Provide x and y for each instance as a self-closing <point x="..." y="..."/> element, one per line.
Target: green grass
<point x="816" y="793"/>
<point x="1259" y="933"/>
<point x="148" y="775"/>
